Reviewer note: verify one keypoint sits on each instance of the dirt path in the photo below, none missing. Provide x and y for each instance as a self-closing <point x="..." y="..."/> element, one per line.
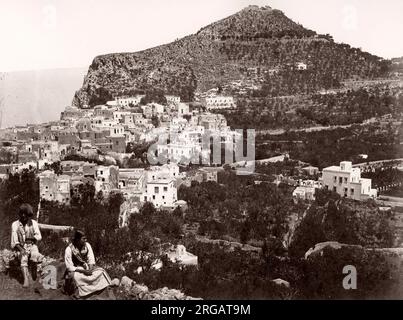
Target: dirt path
<point x="11" y="289"/>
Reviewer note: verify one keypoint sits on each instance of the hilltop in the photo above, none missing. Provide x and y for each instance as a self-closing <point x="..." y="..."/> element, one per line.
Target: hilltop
<point x="258" y="46"/>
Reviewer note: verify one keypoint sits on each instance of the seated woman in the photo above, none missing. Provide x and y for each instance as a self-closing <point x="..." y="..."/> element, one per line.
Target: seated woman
<point x="82" y="274"/>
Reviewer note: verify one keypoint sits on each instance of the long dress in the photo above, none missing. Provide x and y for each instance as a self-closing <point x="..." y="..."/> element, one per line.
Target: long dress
<point x="81" y="259"/>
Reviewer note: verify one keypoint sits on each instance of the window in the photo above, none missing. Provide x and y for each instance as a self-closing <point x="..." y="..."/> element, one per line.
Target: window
<point x="334" y="189"/>
<point x="352" y="191"/>
<point x="165" y="189"/>
<point x="345" y="180"/>
<point x="340" y="180"/>
<point x="153" y="197"/>
<point x="156" y="189"/>
<point x="335" y="179"/>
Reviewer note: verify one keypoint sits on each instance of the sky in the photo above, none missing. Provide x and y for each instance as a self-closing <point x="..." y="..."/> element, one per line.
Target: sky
<point x="50" y="34"/>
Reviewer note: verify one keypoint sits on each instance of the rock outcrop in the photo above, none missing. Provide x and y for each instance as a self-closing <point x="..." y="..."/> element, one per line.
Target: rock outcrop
<point x="132" y="290"/>
<point x="319" y="248"/>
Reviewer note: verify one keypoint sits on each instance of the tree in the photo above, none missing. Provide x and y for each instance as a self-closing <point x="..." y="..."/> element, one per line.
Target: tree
<point x="343" y="221"/>
<point x="155" y="121"/>
<point x="323" y="276"/>
<point x="21" y="187"/>
<point x="55" y="167"/>
<point x="6" y="156"/>
<point x="155" y="95"/>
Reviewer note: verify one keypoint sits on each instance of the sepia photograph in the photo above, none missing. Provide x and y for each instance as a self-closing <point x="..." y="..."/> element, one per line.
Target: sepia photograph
<point x="183" y="150"/>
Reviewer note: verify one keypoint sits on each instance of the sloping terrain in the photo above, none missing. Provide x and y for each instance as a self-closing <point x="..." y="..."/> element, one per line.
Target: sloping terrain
<point x="258" y="46"/>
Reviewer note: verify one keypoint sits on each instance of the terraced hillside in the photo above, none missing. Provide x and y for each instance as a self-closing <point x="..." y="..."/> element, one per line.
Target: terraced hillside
<point x="258" y="47"/>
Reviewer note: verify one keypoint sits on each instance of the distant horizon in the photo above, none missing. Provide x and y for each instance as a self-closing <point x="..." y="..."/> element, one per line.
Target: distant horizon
<point x="43" y="36"/>
<point x="45" y="69"/>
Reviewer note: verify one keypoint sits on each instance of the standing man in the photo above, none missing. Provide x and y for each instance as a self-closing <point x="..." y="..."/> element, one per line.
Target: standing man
<point x="25" y="234"/>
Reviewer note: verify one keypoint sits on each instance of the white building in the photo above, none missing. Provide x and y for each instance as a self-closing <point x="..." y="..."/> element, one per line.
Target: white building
<point x="306" y="189"/>
<point x="219" y="102"/>
<point x="53" y="187"/>
<point x="161" y="193"/>
<point x="117" y="131"/>
<point x="173" y="99"/>
<point x="178" y="151"/>
<point x="211" y="121"/>
<point x="192" y="135"/>
<point x="301" y="66"/>
<point x="119" y="115"/>
<point x="183" y="109"/>
<point x="106" y="178"/>
<point x="126" y="102"/>
<point x="112" y="103"/>
<point x="131" y="119"/>
<point x="49" y="151"/>
<point x="153" y="109"/>
<point x="178" y="124"/>
<point x="132" y="181"/>
<point x="347" y="182"/>
<point x="103" y="124"/>
<point x="166" y="171"/>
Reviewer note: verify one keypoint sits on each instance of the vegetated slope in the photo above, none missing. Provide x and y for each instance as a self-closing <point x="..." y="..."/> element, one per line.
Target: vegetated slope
<point x="258" y="46"/>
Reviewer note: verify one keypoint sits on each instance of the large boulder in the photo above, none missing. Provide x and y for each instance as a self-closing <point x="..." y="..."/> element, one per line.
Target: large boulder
<point x="115" y="282"/>
<point x="127" y="283"/>
<point x="319" y="248"/>
<point x="281" y="283"/>
<point x="138" y="291"/>
<point x="167" y="294"/>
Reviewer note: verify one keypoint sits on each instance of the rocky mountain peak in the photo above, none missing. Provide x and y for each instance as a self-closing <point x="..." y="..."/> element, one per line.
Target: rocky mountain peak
<point x="255" y="22"/>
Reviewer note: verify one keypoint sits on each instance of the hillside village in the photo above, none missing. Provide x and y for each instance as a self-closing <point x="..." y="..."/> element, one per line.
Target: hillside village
<point x="108" y="131"/>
